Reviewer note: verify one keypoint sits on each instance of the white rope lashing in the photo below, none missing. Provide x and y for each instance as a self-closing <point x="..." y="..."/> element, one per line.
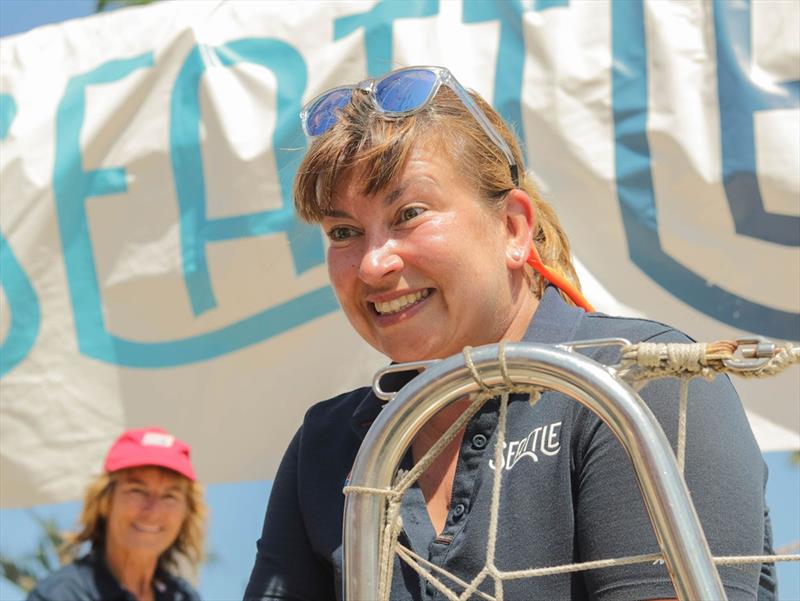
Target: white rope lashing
<point x="639" y="363"/>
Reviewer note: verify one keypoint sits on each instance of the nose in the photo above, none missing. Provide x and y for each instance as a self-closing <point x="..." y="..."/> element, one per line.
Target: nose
<point x="150" y="503"/>
<point x="380" y="261"/>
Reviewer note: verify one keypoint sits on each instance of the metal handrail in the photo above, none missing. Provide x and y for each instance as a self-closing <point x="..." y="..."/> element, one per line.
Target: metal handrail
<point x="677" y="527"/>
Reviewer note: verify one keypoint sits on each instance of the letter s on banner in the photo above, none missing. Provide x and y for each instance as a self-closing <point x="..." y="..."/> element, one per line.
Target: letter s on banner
<point x="73" y="186"/>
<point x="22" y="301"/>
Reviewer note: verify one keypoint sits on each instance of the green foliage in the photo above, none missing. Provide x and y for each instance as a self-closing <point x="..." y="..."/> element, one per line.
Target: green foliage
<point x="103" y="4"/>
<point x="796" y="457"/>
<point x="25" y="572"/>
<point x="16" y="574"/>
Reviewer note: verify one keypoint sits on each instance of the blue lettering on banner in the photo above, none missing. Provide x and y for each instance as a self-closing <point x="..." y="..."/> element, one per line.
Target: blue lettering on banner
<point x="24" y="306"/>
<point x="377" y="24"/>
<point x="739" y="99"/>
<point x="510" y="63"/>
<point x="637" y="198"/>
<point x="22" y="301"/>
<point x="73" y="186"/>
<point x="187" y="163"/>
<point x="8" y="110"/>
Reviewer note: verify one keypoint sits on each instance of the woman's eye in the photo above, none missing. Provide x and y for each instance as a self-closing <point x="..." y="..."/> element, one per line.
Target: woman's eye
<point x="408" y="213"/>
<point x="340" y="233"/>
<point x="171" y="498"/>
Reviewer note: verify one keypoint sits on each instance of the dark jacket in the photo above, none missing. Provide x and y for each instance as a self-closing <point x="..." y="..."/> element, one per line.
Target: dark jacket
<point x="89" y="579"/>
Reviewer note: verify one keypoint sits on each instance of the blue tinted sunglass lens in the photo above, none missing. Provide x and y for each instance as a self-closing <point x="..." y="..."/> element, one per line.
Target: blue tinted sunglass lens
<point x="323" y="114"/>
<point x="405" y="91"/>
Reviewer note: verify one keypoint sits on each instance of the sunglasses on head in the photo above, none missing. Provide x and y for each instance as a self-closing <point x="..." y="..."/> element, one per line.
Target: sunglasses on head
<point x="397" y="94"/>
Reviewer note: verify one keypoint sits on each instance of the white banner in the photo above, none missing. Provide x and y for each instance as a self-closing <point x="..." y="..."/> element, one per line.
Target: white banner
<point x="153" y="271"/>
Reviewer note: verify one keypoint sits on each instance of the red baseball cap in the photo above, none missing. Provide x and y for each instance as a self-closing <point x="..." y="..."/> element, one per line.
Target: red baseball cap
<point x="150" y="446"/>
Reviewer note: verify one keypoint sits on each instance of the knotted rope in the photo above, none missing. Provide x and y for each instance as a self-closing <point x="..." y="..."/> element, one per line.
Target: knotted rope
<point x="645" y="361"/>
<point x="649" y="360"/>
<point x="639" y="363"/>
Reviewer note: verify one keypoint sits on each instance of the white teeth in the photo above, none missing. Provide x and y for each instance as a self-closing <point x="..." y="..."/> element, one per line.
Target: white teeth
<point x="143" y="528"/>
<point x="398" y="304"/>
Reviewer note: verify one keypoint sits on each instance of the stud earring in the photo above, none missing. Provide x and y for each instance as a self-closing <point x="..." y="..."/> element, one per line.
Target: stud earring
<point x="516" y="255"/>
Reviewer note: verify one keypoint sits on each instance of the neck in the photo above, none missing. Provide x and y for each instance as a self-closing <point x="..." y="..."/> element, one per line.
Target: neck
<point x="134" y="571"/>
<point x="524" y="308"/>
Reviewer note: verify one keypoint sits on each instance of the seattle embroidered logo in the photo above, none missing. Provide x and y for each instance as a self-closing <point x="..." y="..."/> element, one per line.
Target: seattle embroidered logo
<point x="544" y="440"/>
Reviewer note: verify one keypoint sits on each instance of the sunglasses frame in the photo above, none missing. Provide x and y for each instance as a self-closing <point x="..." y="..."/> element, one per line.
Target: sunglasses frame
<point x="443" y="77"/>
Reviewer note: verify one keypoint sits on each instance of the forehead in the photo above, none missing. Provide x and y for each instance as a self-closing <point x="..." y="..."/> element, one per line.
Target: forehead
<point x="428" y="165"/>
<point x="153" y="476"/>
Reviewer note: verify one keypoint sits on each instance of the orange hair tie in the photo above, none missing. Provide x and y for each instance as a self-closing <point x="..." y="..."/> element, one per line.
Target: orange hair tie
<point x="535" y="261"/>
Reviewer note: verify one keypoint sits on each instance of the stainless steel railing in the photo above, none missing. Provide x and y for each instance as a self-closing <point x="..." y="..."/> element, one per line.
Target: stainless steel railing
<point x="595" y="386"/>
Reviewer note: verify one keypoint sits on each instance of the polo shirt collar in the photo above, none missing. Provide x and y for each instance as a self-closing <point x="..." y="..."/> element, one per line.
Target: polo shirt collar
<point x="554" y="322"/>
<point x="370" y="406"/>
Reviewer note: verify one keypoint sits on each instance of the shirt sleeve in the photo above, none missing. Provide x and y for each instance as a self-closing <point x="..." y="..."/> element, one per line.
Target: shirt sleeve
<point x="286" y="566"/>
<point x="61" y="584"/>
<point x="725" y="474"/>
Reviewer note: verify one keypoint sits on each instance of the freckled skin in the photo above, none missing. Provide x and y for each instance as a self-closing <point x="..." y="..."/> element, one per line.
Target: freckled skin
<point x="429" y="231"/>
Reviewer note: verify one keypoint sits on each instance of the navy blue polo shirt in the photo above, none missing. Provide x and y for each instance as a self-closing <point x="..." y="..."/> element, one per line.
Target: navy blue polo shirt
<point x="89" y="579"/>
<point x="569" y="492"/>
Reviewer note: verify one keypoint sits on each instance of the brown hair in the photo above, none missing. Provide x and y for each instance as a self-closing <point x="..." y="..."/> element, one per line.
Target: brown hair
<point x="190" y="543"/>
<point x="379" y="147"/>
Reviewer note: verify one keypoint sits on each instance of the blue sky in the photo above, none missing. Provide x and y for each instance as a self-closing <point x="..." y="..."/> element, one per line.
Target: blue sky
<point x="237" y="510"/>
<point x="18" y="16"/>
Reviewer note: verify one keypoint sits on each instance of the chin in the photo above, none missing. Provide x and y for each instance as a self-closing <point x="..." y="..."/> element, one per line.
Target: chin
<point x="403" y="358"/>
<point x="409" y="353"/>
<point x="399" y="356"/>
<point x="154" y="546"/>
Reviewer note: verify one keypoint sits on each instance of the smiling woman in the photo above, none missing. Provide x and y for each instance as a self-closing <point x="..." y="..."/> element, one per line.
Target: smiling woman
<point x="139" y="517"/>
<point x="421" y="288"/>
<point x="438" y="241"/>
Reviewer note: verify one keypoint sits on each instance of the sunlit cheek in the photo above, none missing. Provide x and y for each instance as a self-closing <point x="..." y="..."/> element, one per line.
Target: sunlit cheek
<point x="124" y="508"/>
<point x="343" y="273"/>
<point x="179" y="511"/>
<point x="334" y="266"/>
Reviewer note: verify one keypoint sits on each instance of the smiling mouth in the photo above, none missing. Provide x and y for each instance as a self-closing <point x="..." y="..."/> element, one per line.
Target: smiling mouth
<point x="147" y="529"/>
<point x="401" y="304"/>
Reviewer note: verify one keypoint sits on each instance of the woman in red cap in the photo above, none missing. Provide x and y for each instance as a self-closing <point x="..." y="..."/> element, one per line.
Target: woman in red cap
<point x="139" y="517"/>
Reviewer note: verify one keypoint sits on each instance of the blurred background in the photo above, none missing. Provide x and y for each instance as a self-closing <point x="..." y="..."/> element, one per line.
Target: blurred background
<point x="652" y="126"/>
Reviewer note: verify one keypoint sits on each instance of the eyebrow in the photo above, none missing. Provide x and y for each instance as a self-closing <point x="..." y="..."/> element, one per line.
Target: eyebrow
<point x="143" y="483"/>
<point x="388" y="201"/>
<point x="337" y="214"/>
<point x="392" y="196"/>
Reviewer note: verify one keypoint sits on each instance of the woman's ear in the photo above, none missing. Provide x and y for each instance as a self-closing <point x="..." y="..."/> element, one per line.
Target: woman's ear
<point x="520" y="221"/>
